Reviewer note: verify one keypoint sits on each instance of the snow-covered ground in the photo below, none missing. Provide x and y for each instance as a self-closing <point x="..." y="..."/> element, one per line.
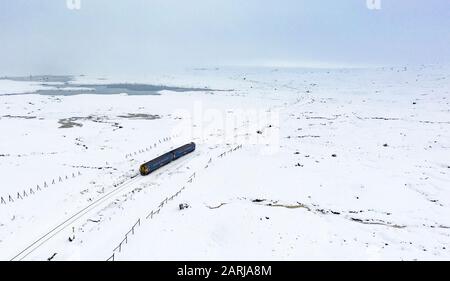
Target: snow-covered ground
<point x="290" y="164"/>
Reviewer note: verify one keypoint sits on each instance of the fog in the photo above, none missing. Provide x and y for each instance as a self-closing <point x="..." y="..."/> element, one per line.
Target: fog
<point x="136" y="36"/>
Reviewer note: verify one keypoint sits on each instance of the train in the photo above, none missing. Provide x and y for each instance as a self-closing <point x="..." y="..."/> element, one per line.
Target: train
<point x="153" y="165"/>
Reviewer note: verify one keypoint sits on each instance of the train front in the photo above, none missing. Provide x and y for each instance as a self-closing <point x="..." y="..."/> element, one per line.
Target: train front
<point x="144" y="170"/>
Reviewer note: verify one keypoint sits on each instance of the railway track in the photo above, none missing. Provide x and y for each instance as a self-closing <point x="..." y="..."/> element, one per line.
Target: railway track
<point x="135" y="178"/>
<point x="66" y="223"/>
<point x="78" y="215"/>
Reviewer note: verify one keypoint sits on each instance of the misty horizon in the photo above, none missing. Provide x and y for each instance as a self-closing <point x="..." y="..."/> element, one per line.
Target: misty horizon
<point x="111" y="38"/>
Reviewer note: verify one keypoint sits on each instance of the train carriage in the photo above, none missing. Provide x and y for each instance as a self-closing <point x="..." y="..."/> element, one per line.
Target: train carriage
<point x="183" y="150"/>
<point x="166" y="158"/>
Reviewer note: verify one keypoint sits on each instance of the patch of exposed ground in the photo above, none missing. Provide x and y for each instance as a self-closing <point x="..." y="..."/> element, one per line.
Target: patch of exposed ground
<point x="314" y="209"/>
<point x="71" y="122"/>
<point x="19" y="116"/>
<point x="142" y="116"/>
<point x="216" y="207"/>
<point x="350" y="215"/>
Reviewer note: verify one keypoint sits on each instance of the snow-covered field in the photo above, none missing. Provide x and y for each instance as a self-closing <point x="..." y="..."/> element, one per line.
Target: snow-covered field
<point x="291" y="164"/>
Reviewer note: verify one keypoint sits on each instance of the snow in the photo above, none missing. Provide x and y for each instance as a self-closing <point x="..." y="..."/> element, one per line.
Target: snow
<point x="319" y="164"/>
<point x="10" y="87"/>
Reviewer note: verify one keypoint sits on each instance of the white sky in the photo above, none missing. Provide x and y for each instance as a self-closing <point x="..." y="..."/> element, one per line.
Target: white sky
<point x="132" y="36"/>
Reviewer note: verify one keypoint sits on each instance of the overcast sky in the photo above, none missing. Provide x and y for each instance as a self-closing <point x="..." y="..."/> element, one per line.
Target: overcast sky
<point x="112" y="36"/>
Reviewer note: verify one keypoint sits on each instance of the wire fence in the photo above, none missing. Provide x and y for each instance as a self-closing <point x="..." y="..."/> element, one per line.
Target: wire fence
<point x="230" y="151"/>
<point x="153" y="213"/>
<point x="149" y="148"/>
<point x="21" y="195"/>
<point x="124" y="240"/>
